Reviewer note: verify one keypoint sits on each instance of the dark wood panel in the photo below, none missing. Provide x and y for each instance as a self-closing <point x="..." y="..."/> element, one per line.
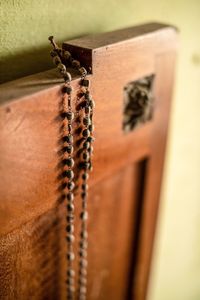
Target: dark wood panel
<point x="112" y="217"/>
<point x="30" y="264"/>
<point x="32" y="259"/>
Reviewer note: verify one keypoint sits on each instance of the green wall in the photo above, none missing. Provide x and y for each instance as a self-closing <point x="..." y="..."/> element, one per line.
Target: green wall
<point x="24" y="28"/>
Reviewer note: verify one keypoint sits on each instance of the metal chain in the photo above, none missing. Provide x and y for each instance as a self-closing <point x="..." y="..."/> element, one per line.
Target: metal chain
<point x="60" y="58"/>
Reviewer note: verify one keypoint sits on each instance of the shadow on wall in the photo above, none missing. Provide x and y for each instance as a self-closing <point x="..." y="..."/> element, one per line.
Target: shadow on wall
<point x="26" y="63"/>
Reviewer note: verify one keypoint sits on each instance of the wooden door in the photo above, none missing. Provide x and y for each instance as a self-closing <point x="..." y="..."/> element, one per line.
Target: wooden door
<point x="124" y="186"/>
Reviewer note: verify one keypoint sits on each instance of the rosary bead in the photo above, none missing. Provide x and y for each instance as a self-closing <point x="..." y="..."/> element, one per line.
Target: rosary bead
<point x="70" y="207"/>
<point x="70" y="238"/>
<point x="83" y="89"/>
<point x="61" y="67"/>
<point x="69" y="149"/>
<point x="86" y="165"/>
<point x="76" y="64"/>
<point x="70" y="273"/>
<point x="83" y="262"/>
<point x="53" y="53"/>
<point x="90" y="139"/>
<point x="82" y="297"/>
<point x="85" y="82"/>
<point x="70" y="185"/>
<point x="85" y="176"/>
<point x="87" y="95"/>
<point x="70" y="218"/>
<point x="84" y="187"/>
<point x="83" y="253"/>
<point x="70" y="127"/>
<point x="70" y="115"/>
<point x="71" y="290"/>
<point x="84" y="215"/>
<point x="86" y="121"/>
<point x="87" y="109"/>
<point x="83" y="290"/>
<point x="83" y="280"/>
<point x="69" y="162"/>
<point x="83" y="71"/>
<point x="83" y="195"/>
<point x="92" y="103"/>
<point x="59" y="51"/>
<point x="56" y="60"/>
<point x="86" y="156"/>
<point x="86" y="145"/>
<point x="91" y="128"/>
<point x="90" y="150"/>
<point x="65" y="149"/>
<point x="86" y="133"/>
<point x="70" y="196"/>
<point x="84" y="205"/>
<point x="67" y="77"/>
<point x="68" y="138"/>
<point x="64" y="161"/>
<point x="70" y="281"/>
<point x="70" y="256"/>
<point x="83" y="272"/>
<point x="70" y="228"/>
<point x="67" y="90"/>
<point x="84" y="234"/>
<point x="66" y="55"/>
<point x="65" y="173"/>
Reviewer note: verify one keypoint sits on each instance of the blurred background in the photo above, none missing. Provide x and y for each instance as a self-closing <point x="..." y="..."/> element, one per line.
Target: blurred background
<point x="24" y="28"/>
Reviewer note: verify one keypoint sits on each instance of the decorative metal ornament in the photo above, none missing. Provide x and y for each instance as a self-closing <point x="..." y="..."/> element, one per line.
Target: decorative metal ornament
<point x="84" y="111"/>
<point x="138" y="103"/>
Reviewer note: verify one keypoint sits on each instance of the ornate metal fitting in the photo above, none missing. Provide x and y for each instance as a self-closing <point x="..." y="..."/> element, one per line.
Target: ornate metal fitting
<point x="138" y="103"/>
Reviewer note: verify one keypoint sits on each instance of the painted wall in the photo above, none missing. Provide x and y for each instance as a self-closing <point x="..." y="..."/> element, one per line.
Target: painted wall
<point x="24" y="28"/>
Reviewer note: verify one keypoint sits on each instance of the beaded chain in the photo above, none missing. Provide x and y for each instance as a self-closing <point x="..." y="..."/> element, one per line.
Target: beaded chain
<point x="85" y="104"/>
<point x="86" y="165"/>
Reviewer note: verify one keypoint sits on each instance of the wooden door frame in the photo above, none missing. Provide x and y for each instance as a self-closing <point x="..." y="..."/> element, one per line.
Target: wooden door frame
<point x="148" y="49"/>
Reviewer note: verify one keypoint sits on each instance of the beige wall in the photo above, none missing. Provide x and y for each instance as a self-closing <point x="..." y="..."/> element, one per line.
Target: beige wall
<point x="176" y="273"/>
<point x="24" y="28"/>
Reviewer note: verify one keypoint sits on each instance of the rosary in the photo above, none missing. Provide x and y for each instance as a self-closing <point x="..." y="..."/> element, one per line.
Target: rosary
<point x="83" y="116"/>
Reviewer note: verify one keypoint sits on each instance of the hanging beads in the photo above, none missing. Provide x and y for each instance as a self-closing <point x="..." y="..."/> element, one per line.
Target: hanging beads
<point x="61" y="58"/>
<point x="68" y="161"/>
<point x="68" y="164"/>
<point x="85" y="165"/>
